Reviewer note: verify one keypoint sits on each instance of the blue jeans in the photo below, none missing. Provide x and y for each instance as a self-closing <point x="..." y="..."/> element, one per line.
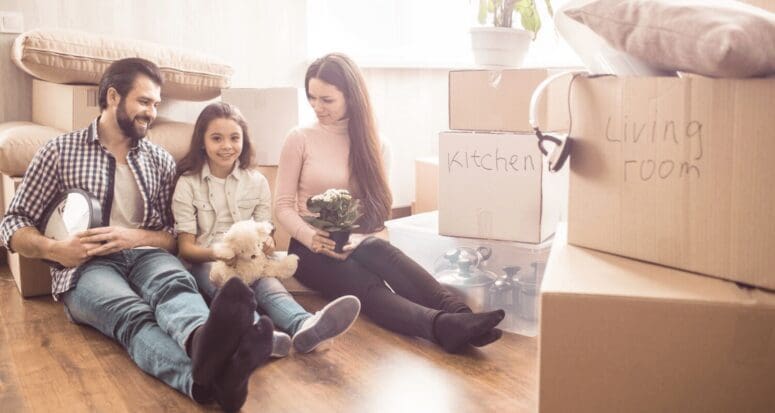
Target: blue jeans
<point x="145" y="300"/>
<point x="271" y="296"/>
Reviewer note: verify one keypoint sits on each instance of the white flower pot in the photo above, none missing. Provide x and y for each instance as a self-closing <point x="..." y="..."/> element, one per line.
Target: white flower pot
<point x="499" y="46"/>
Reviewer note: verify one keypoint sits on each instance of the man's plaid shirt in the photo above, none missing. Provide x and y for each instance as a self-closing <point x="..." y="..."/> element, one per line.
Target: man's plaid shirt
<point x="77" y="160"/>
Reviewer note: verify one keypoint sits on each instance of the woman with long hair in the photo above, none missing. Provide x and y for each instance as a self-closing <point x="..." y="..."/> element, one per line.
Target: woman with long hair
<point x="342" y="150"/>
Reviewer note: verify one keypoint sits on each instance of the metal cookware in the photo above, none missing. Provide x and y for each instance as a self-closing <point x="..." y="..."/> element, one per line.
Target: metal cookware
<point x="460" y="270"/>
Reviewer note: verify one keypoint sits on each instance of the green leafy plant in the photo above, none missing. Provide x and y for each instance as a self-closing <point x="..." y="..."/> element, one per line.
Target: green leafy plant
<point x="502" y="12"/>
<point x="336" y="210"/>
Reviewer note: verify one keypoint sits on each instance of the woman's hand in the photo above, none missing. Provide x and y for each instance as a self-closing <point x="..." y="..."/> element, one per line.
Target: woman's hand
<point x="326" y="245"/>
<point x="321" y="242"/>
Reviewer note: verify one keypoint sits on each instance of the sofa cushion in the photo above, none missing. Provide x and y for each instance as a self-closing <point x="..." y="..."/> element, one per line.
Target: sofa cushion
<point x="719" y="38"/>
<point x="18" y="143"/>
<point x="69" y="56"/>
<point x="175" y="137"/>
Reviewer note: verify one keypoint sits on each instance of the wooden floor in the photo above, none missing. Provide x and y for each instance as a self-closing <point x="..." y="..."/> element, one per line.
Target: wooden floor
<point x="48" y="364"/>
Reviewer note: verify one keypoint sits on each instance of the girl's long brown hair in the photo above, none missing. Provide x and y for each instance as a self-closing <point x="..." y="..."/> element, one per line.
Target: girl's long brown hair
<point x="196" y="157"/>
<point x="367" y="171"/>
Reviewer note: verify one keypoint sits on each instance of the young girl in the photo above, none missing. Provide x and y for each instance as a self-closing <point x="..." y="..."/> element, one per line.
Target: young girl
<point x="342" y="150"/>
<point x="217" y="186"/>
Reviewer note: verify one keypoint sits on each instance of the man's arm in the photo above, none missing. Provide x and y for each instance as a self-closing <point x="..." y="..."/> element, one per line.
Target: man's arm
<point x="30" y="201"/>
<point x="107" y="240"/>
<point x="164" y="201"/>
<point x="29" y="242"/>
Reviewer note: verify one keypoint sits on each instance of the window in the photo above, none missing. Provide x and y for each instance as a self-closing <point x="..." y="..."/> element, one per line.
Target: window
<point x="415" y="33"/>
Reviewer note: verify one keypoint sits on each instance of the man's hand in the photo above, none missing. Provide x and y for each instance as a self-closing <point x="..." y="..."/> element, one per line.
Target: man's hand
<point x="71" y="252"/>
<point x="112" y="239"/>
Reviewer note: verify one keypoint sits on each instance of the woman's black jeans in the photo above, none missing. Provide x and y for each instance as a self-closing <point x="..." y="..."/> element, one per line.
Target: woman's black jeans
<point x="410" y="310"/>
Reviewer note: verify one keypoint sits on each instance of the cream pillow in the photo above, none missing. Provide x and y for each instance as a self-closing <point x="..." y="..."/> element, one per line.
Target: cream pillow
<point x="68" y="56"/>
<point x="18" y="143"/>
<point x="719" y="38"/>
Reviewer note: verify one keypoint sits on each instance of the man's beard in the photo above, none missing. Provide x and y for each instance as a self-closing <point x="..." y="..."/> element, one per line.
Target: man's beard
<point x="127" y="125"/>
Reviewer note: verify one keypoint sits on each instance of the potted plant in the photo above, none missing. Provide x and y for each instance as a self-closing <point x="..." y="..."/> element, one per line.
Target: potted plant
<point x="502" y="45"/>
<point x="336" y="212"/>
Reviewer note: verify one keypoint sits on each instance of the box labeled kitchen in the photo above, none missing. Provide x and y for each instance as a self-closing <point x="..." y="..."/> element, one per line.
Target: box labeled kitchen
<point x="496" y="186"/>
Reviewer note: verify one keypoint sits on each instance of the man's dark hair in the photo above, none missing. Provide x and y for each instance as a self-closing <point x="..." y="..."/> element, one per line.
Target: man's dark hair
<point x="121" y="75"/>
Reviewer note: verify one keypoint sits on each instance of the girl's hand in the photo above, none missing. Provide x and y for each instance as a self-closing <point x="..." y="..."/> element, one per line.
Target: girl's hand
<point x="223" y="254"/>
<point x="268" y="247"/>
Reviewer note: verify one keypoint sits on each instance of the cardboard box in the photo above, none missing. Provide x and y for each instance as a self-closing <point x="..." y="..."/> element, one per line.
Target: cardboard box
<point x="426" y="184"/>
<point x="177" y="110"/>
<point x="619" y="335"/>
<point x="418" y="237"/>
<point x="67" y="107"/>
<point x="499" y="100"/>
<point x="496" y="186"/>
<point x="676" y="171"/>
<point x="32" y="276"/>
<point x="270" y="114"/>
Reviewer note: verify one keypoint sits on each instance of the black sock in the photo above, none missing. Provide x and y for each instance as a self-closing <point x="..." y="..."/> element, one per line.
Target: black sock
<point x="255" y="347"/>
<point x="201" y="394"/>
<point x="487" y="338"/>
<point x="453" y="331"/>
<point x="231" y="314"/>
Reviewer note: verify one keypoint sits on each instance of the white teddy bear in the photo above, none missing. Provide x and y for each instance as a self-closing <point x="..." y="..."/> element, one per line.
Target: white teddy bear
<point x="243" y="243"/>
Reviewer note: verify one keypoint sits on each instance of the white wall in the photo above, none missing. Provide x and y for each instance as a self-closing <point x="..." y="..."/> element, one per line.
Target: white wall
<point x="411" y="108"/>
<point x="264" y="40"/>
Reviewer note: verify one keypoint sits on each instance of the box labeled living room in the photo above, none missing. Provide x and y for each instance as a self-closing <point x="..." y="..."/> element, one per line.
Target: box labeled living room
<point x="676" y="171"/>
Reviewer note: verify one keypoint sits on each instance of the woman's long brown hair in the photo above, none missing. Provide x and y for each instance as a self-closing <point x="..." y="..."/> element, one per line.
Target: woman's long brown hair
<point x="367" y="170"/>
<point x="196" y="157"/>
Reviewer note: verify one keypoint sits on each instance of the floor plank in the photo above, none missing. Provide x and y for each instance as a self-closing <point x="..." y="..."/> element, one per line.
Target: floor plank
<point x="49" y="364"/>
